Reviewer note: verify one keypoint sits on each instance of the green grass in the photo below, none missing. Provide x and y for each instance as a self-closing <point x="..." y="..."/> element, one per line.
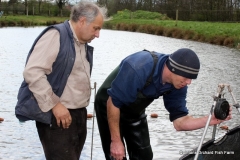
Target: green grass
<point x="139" y="14"/>
<point x="23" y="20"/>
<point x="204" y="28"/>
<point x="154" y="18"/>
<point x="226" y="34"/>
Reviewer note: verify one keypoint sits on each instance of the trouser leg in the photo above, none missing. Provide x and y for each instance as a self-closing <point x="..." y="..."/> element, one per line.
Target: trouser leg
<point x="101" y="114"/>
<point x="103" y="128"/>
<point x="64" y="144"/>
<point x="137" y="139"/>
<point x="134" y="130"/>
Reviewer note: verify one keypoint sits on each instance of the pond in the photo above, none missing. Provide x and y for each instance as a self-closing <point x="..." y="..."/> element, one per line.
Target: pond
<point x="218" y="65"/>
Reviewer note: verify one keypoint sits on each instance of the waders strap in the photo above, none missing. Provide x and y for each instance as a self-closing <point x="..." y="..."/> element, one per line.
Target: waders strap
<point x="137" y="108"/>
<point x="155" y="60"/>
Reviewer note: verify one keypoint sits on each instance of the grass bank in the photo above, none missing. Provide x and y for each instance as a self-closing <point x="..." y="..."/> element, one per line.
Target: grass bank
<point x="26" y="21"/>
<point x="225" y="34"/>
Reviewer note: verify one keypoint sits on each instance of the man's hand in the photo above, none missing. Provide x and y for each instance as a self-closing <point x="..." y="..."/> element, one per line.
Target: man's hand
<point x="113" y="114"/>
<point x="117" y="150"/>
<point x="187" y="123"/>
<point x="62" y="115"/>
<point x="214" y="120"/>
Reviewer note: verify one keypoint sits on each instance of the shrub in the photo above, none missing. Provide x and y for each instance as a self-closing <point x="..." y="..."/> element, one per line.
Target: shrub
<point x="219" y="40"/>
<point x="48" y="23"/>
<point x="133" y="27"/>
<point x="142" y="29"/>
<point x="123" y="27"/>
<point x="150" y="29"/>
<point x="228" y="42"/>
<point x="159" y="30"/>
<point x="177" y="33"/>
<point x="12" y="23"/>
<point x="108" y="25"/>
<point x="168" y="32"/>
<point x="188" y="34"/>
<point x="140" y="14"/>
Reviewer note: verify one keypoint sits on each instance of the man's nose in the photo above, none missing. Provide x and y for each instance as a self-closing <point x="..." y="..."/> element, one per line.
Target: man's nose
<point x="97" y="34"/>
<point x="188" y="81"/>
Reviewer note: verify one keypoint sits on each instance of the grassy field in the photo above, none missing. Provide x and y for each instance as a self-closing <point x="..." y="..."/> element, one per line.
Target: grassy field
<point x="226" y="34"/>
<point x="23" y="20"/>
<point x="205" y="28"/>
<point x="219" y="33"/>
<point x="154" y="18"/>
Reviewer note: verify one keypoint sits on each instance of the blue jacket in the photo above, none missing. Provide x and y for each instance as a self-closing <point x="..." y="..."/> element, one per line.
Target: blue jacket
<point x="133" y="73"/>
<point x="27" y="107"/>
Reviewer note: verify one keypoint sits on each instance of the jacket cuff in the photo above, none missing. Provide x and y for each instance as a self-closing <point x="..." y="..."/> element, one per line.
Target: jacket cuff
<point x="50" y="103"/>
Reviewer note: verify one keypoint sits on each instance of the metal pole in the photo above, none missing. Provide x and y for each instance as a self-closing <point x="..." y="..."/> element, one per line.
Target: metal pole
<point x="95" y="88"/>
<point x="220" y="89"/>
<point x="234" y="99"/>
<point x="204" y="133"/>
<point x="214" y="131"/>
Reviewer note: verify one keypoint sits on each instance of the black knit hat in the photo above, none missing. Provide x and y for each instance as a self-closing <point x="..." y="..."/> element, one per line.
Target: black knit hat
<point x="184" y="62"/>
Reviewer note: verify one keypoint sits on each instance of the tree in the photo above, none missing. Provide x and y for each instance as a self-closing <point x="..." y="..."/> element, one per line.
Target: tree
<point x="203" y="10"/>
<point x="26" y="6"/>
<point x="60" y="4"/>
<point x="39" y="6"/>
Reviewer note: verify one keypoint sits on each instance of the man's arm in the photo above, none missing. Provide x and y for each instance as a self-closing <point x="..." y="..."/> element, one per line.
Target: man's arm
<point x="187" y="122"/>
<point x="113" y="114"/>
<point x="38" y="66"/>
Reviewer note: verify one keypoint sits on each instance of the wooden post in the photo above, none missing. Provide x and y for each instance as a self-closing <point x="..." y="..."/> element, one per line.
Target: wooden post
<point x="176" y="17"/>
<point x="27" y="10"/>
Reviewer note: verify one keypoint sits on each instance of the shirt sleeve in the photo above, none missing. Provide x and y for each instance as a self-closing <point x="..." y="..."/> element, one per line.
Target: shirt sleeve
<point x="125" y="86"/>
<point x="39" y="65"/>
<point x="175" y="103"/>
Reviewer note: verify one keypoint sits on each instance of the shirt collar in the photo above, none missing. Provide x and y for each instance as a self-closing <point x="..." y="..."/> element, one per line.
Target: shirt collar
<point x="74" y="34"/>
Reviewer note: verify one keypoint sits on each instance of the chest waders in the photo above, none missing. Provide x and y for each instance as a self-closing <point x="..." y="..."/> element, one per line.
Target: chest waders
<point x="133" y="122"/>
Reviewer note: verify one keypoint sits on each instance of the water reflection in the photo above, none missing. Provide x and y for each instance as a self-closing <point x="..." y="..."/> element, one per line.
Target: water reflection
<point x="218" y="65"/>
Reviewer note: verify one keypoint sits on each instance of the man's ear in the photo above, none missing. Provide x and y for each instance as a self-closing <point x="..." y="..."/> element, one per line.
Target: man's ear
<point x="82" y="20"/>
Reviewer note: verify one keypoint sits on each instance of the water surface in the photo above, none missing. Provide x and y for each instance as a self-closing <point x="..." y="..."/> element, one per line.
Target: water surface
<point x="218" y="65"/>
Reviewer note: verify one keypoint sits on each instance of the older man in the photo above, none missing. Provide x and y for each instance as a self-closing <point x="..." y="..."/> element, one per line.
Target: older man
<point x="57" y="82"/>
